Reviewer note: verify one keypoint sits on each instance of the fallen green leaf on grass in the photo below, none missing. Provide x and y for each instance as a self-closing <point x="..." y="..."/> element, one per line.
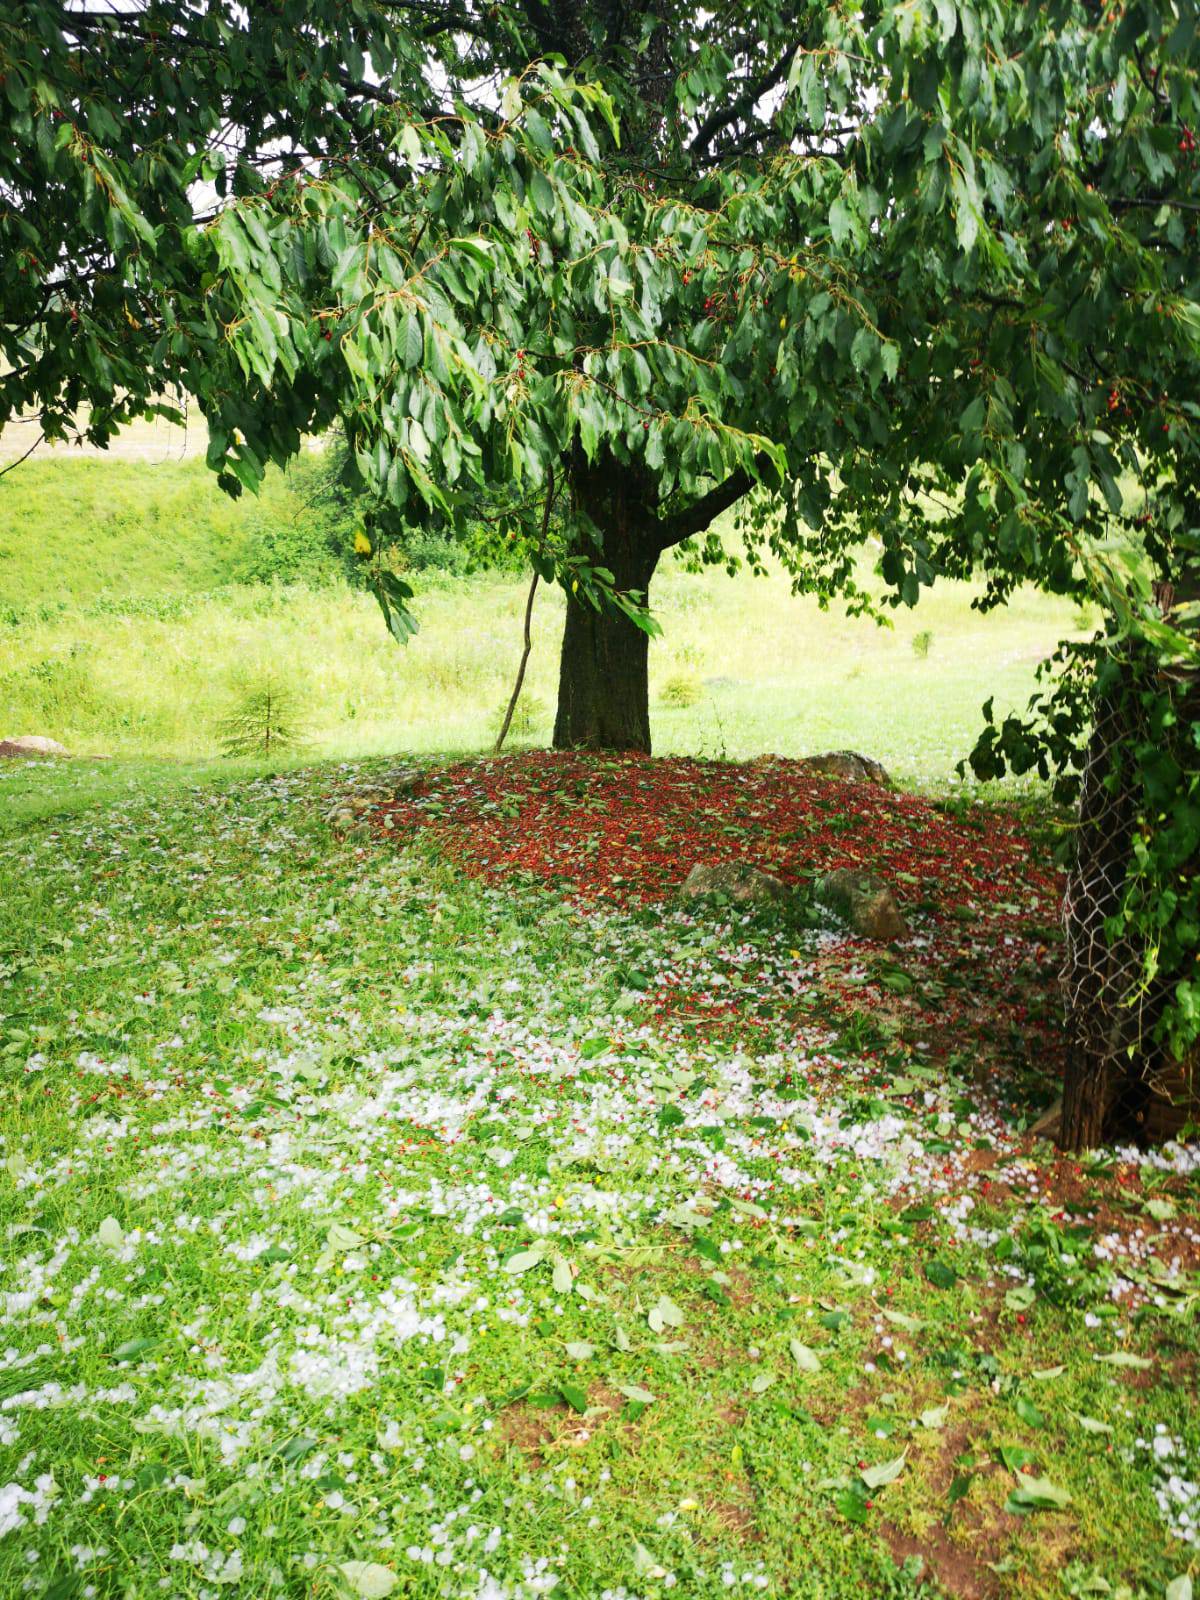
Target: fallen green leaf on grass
<point x="635" y="1392"/>
<point x="807" y="1360"/>
<point x="368" y="1580"/>
<point x="1090" y="1424"/>
<point x="664" y="1314"/>
<point x="574" y="1396"/>
<point x="852" y="1505"/>
<point x="523" y="1260"/>
<point x="885" y="1472"/>
<point x="1036" y="1494"/>
<point x="899" y="1319"/>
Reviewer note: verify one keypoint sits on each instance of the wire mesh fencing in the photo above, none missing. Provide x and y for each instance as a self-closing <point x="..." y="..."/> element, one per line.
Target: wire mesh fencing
<point x="1112" y="998"/>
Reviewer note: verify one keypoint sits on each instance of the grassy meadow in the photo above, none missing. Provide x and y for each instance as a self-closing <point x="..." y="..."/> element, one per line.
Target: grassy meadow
<point x="133" y="613"/>
<point x="405" y="1191"/>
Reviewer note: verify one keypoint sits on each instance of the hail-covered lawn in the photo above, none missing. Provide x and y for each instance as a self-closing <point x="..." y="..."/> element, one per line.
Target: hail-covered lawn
<point x="446" y="1209"/>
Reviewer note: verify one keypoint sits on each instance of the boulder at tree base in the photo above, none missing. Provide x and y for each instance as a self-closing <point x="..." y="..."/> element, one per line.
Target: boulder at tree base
<point x="737" y="881"/>
<point x="848" y="764"/>
<point x="864" y="902"/>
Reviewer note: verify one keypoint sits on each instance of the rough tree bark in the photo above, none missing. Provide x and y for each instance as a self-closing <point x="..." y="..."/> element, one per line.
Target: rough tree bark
<point x="603" y="683"/>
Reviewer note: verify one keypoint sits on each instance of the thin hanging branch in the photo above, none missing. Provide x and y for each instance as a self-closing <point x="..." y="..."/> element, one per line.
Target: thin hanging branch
<point x="14" y="464"/>
<point x="518" y="685"/>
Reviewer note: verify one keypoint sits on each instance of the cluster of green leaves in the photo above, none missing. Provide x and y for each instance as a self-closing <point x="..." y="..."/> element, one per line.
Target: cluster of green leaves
<point x="124" y="128"/>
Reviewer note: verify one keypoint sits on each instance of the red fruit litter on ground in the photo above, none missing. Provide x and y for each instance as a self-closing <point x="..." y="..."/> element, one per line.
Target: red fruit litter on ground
<point x="632" y="827"/>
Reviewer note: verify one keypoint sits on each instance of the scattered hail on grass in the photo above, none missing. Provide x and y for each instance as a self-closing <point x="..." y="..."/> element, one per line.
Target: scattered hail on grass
<point x="371" y="1227"/>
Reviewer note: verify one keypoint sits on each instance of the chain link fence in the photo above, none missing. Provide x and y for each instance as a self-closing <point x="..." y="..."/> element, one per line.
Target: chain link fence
<point x="1111" y="1006"/>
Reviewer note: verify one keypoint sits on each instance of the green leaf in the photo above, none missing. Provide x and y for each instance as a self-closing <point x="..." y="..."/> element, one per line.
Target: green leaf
<point x="341" y="1237"/>
<point x="574" y="1396"/>
<point x="1037" y="1494"/>
<point x="1029" y="1413"/>
<point x="959" y="1485"/>
<point x="1090" y="1424"/>
<point x="841" y="221"/>
<point x="524" y="1260"/>
<point x="133" y="1348"/>
<point x="885" y="1472"/>
<point x="664" y="1314"/>
<point x="368" y="1579"/>
<point x="852" y="1505"/>
<point x="863" y="349"/>
<point x="900" y="1320"/>
<point x="412" y="341"/>
<point x="635" y="1392"/>
<point x="296" y="1448"/>
<point x="807" y="1360"/>
<point x="940" y="1274"/>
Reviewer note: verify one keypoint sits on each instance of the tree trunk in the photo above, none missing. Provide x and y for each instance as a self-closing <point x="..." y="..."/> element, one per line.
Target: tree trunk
<point x="1105" y="1027"/>
<point x="603" y="684"/>
<point x="1115" y="1067"/>
<point x="1087" y="1096"/>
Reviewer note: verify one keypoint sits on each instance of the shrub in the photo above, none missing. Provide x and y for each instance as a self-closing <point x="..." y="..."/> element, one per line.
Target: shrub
<point x="921" y="643"/>
<point x="683" y="689"/>
<point x="530" y="714"/>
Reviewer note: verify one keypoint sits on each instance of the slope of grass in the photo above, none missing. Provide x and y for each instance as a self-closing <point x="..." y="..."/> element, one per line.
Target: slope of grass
<point x="375" y="1230"/>
<point x="124" y="631"/>
<point x="742" y="667"/>
<point x="75" y="531"/>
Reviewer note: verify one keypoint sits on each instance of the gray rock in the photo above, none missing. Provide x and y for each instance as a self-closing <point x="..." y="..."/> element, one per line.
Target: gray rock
<point x="399" y="782"/>
<point x="741" y="883"/>
<point x="848" y="764"/>
<point x="32" y="746"/>
<point x="864" y="902"/>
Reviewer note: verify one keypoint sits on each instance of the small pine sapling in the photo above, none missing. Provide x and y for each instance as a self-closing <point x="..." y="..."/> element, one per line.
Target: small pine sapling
<point x="266" y="721"/>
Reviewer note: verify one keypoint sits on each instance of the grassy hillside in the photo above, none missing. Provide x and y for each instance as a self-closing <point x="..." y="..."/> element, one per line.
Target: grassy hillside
<point x="127" y="634"/>
<point x="73" y="531"/>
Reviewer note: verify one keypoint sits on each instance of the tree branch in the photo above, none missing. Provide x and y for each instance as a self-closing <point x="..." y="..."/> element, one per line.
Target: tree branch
<point x="696" y="517"/>
<point x="722" y="116"/>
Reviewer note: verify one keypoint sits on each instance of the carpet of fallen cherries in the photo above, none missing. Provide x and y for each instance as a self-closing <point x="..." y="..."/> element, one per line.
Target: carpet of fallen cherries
<point x="433" y="1203"/>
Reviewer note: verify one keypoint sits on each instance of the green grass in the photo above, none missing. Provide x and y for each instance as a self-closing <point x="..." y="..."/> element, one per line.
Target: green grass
<point x="283" y="1119"/>
<point x="156" y="644"/>
<point x="78" y="531"/>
